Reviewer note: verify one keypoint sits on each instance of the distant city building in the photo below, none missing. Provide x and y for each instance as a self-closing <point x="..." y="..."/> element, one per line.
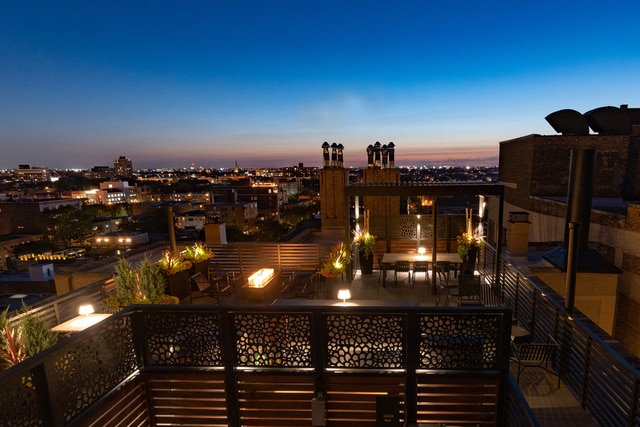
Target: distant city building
<point x="268" y="195"/>
<point x="123" y="167"/>
<point x="192" y="220"/>
<point x="242" y="215"/>
<point x="120" y="240"/>
<point x="113" y="192"/>
<point x="89" y="197"/>
<point x="99" y="172"/>
<point x="25" y="173"/>
<point x="290" y="186"/>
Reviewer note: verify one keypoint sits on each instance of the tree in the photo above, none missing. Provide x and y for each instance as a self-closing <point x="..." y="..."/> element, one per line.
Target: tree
<point x="296" y="214"/>
<point x="269" y="230"/>
<point x="65" y="224"/>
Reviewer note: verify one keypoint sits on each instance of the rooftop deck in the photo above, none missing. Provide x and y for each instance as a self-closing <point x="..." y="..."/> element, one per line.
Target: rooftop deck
<point x="552" y="406"/>
<point x="593" y="365"/>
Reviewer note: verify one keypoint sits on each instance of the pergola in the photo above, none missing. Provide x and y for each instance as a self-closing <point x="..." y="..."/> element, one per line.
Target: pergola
<point x="432" y="190"/>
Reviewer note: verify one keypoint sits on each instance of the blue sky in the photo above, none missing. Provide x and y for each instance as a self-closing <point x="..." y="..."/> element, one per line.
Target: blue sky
<point x="265" y="83"/>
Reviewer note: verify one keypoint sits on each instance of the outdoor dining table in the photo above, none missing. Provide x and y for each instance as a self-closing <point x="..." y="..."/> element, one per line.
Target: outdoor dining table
<point x="389" y="259"/>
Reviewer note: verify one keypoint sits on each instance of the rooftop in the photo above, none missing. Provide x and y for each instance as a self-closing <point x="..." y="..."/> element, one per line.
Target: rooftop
<point x="552" y="406"/>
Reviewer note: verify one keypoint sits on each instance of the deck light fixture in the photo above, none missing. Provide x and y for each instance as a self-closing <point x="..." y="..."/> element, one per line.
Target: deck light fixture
<point x="344" y="295"/>
<point x="85" y="310"/>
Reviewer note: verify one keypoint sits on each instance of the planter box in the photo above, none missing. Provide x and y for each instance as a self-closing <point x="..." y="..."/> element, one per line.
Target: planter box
<point x="178" y="285"/>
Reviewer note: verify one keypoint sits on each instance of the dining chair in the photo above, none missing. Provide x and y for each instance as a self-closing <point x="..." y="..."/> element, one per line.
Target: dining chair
<point x="445" y="266"/>
<point x="421" y="267"/>
<point x="402" y="266"/>
<point x="445" y="289"/>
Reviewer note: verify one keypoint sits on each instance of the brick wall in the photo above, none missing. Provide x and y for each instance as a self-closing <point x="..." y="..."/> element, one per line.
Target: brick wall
<point x="539" y="166"/>
<point x="515" y="168"/>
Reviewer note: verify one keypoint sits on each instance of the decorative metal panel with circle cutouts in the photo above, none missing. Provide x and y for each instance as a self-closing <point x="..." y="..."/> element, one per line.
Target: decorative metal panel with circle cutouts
<point x="273" y="339"/>
<point x="182" y="338"/>
<point x="458" y="342"/>
<point x="365" y="341"/>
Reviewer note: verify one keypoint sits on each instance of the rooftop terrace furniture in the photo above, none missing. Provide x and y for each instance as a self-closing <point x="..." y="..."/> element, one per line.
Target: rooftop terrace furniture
<point x="445" y="289"/>
<point x="300" y="284"/>
<point x="201" y="283"/>
<point x="220" y="283"/>
<point x="421" y="267"/>
<point x="535" y="355"/>
<point x="402" y="266"/>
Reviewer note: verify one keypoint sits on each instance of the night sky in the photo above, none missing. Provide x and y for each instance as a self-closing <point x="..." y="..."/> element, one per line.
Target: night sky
<point x="265" y="83"/>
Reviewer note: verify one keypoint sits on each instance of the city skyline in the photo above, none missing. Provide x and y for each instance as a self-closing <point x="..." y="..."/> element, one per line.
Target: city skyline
<point x="266" y="83"/>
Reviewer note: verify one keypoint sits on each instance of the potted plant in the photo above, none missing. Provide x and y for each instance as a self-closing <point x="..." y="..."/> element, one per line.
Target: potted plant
<point x="143" y="285"/>
<point x="175" y="268"/>
<point x="366" y="245"/>
<point x="199" y="255"/>
<point x="336" y="262"/>
<point x="467" y="250"/>
<point x="468" y="245"/>
<point x="29" y="337"/>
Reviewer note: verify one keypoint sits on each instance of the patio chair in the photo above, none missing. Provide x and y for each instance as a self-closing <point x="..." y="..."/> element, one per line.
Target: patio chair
<point x="402" y="266"/>
<point x="421" y="267"/>
<point x="445" y="266"/>
<point x="201" y="284"/>
<point x="220" y="283"/>
<point x="469" y="291"/>
<point x="444" y="288"/>
<point x="536" y="355"/>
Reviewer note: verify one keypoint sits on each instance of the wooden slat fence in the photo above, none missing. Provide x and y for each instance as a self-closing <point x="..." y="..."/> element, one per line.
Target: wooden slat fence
<point x="275" y="400"/>
<point x="351" y="399"/>
<point x="187" y="398"/>
<point x="126" y="408"/>
<point x="249" y="257"/>
<point x="457" y="400"/>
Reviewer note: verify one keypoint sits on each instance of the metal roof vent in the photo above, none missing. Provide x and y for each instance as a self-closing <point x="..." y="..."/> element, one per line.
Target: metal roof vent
<point x="568" y="122"/>
<point x="609" y="121"/>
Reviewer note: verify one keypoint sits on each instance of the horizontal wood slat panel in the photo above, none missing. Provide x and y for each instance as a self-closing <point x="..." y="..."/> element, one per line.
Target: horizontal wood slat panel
<point x="180" y="399"/>
<point x="465" y="399"/>
<point x="127" y="408"/>
<point x="275" y="400"/>
<point x="249" y="257"/>
<point x="351" y="399"/>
